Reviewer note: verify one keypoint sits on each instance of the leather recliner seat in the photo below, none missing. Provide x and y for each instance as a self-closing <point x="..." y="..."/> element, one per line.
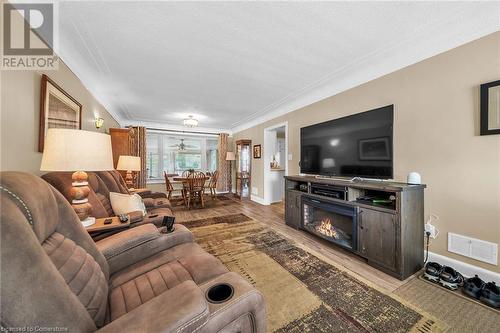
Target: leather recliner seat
<point x="53" y="275"/>
<point x="115" y="183"/>
<point x="100" y="201"/>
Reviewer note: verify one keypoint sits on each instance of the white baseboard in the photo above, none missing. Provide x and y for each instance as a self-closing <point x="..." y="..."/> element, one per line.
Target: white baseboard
<point x="259" y="200"/>
<point x="465" y="269"/>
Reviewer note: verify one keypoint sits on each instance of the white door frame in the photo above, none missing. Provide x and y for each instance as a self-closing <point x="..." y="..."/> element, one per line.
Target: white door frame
<point x="267" y="160"/>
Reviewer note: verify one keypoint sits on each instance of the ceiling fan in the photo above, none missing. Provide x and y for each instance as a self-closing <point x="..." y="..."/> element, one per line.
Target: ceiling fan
<point x="182" y="146"/>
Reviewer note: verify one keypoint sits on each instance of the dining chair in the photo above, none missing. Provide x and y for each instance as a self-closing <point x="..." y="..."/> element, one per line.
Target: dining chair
<point x="196" y="188"/>
<point x="212" y="185"/>
<point x="185" y="186"/>
<point x="186" y="173"/>
<point x="168" y="184"/>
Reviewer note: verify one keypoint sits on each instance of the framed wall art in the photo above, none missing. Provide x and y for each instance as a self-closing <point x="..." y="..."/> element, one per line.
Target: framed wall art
<point x="490" y="108"/>
<point x="257" y="151"/>
<point x="58" y="109"/>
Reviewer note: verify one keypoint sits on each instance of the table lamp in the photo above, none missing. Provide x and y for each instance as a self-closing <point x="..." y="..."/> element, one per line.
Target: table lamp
<point x="129" y="164"/>
<point x="230" y="157"/>
<point x="78" y="151"/>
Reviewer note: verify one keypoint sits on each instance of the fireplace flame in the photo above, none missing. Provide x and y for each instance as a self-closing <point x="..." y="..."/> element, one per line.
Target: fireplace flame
<point x="327" y="229"/>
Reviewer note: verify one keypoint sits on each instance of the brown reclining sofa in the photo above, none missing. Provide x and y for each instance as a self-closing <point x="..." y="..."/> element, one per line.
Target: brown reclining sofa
<point x="54" y="276"/>
<point x="101" y="183"/>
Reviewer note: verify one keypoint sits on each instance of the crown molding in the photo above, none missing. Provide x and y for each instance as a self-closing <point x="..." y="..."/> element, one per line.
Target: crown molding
<point x="175" y="127"/>
<point x="425" y="44"/>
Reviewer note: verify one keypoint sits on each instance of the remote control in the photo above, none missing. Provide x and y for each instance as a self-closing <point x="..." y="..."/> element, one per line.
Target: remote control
<point x="108" y="221"/>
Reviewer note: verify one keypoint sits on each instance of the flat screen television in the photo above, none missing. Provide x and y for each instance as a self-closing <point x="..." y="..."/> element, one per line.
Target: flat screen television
<point x="359" y="145"/>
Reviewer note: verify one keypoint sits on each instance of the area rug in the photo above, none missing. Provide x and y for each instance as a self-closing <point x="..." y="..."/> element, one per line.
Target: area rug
<point x="230" y="219"/>
<point x="459" y="293"/>
<point x="462" y="314"/>
<point x="303" y="292"/>
<point x="220" y="201"/>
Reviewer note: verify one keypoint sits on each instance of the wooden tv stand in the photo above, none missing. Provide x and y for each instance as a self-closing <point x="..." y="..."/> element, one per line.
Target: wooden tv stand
<point x="389" y="236"/>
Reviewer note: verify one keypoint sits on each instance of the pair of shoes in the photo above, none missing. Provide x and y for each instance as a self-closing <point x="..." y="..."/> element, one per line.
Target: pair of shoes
<point x="444" y="275"/>
<point x="488" y="293"/>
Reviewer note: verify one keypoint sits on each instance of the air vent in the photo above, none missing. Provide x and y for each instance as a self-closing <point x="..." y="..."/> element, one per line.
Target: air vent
<point x="473" y="248"/>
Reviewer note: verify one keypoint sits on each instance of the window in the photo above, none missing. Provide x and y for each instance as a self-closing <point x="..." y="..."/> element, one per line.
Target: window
<point x="153" y="155"/>
<point x="212" y="155"/>
<point x="175" y="154"/>
<point x="187" y="161"/>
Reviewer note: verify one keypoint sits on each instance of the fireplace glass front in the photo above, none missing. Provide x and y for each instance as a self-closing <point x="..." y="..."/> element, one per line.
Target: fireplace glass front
<point x="331" y="221"/>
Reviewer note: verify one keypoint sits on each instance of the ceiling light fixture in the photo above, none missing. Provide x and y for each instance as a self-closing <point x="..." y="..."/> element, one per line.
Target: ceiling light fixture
<point x="190" y="122"/>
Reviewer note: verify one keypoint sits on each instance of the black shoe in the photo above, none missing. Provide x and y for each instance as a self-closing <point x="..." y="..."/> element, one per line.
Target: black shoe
<point x="450" y="278"/>
<point x="473" y="287"/>
<point x="432" y="271"/>
<point x="490" y="295"/>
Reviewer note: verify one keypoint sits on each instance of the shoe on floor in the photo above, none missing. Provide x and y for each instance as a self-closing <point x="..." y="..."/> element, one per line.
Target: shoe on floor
<point x="450" y="278"/>
<point x="432" y="271"/>
<point x="490" y="295"/>
<point x="473" y="287"/>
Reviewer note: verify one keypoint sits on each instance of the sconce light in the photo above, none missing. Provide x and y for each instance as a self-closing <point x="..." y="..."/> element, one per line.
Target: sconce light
<point x="98" y="122"/>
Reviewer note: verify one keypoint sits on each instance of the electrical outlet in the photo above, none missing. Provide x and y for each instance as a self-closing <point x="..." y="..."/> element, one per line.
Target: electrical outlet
<point x="431" y="229"/>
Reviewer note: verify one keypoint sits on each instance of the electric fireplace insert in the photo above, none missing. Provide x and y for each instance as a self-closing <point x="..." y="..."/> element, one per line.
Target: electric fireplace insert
<point x="333" y="222"/>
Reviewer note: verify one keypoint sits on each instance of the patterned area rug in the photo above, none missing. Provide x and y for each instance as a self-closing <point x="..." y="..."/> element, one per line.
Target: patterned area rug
<point x="220" y="201"/>
<point x="304" y="293"/>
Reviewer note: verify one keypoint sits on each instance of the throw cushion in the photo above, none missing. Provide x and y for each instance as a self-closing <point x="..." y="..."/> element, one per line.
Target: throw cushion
<point x="126" y="203"/>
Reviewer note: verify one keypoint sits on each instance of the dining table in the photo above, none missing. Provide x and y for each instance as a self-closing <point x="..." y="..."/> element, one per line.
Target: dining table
<point x="184" y="179"/>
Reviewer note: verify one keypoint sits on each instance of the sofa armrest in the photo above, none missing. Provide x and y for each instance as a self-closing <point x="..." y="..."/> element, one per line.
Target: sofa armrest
<point x="141" y="191"/>
<point x="244" y="312"/>
<point x="146" y="193"/>
<point x="136" y="216"/>
<point x="153" y="203"/>
<point x="148" y="202"/>
<point x="133" y="245"/>
<point x="179" y="309"/>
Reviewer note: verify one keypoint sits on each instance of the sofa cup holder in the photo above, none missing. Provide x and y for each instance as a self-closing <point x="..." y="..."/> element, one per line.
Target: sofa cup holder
<point x="219" y="293"/>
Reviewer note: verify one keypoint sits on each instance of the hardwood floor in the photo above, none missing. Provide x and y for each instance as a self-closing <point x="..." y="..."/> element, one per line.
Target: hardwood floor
<point x="274" y="216"/>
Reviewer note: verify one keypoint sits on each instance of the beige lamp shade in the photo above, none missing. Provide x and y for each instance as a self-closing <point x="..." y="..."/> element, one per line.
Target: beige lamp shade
<point x="129" y="163"/>
<point x="230" y="156"/>
<point x="76" y="150"/>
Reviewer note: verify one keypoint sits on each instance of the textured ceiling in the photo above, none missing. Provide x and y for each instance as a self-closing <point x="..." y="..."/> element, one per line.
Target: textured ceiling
<point x="233" y="64"/>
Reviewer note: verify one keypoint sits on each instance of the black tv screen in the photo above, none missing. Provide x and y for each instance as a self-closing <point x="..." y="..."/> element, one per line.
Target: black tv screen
<point x="359" y="145"/>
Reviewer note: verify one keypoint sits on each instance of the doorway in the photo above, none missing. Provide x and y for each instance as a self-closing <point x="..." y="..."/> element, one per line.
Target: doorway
<point x="275" y="153"/>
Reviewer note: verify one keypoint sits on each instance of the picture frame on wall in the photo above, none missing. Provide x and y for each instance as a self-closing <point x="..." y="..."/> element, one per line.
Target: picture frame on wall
<point x="490" y="108"/>
<point x="257" y="151"/>
<point x="58" y="109"/>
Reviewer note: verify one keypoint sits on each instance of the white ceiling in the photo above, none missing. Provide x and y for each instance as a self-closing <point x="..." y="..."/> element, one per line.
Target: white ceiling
<point x="235" y="64"/>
